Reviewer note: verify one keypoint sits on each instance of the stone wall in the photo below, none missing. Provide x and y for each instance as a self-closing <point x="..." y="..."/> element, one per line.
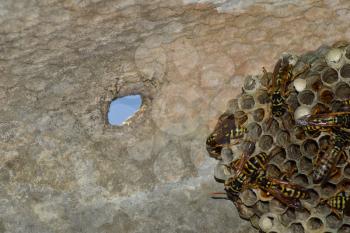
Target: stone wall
<point x="64" y="169"/>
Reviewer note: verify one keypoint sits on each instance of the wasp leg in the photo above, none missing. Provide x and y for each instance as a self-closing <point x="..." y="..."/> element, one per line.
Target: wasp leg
<point x="337" y="213"/>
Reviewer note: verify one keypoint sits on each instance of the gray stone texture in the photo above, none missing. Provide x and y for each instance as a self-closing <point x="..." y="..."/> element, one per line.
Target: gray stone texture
<point x="64" y="169"/>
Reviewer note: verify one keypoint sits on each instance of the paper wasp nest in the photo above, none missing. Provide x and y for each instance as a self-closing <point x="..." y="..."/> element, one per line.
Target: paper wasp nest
<point x="318" y="90"/>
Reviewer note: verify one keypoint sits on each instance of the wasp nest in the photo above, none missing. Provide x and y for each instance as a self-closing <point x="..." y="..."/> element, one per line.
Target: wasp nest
<point x="320" y="89"/>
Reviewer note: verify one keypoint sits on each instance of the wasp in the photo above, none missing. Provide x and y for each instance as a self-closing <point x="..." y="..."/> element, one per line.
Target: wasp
<point x="247" y="170"/>
<point x="333" y="119"/>
<point x="286" y="192"/>
<point x="225" y="132"/>
<point x="325" y="165"/>
<point x="339" y="203"/>
<point x="281" y="77"/>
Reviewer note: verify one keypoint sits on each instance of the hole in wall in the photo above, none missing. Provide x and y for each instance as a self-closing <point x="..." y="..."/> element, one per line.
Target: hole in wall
<point x="123" y="108"/>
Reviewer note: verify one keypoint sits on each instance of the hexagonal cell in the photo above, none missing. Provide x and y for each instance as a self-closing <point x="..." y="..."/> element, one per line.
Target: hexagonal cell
<point x="326" y="95"/>
<point x="345" y="71"/>
<point x="263" y="97"/>
<point x="310" y="148"/>
<point x="262" y="207"/>
<point x="289" y="167"/>
<point x="347" y="52"/>
<point x="332" y="221"/>
<point x="283" y="138"/>
<point x="306" y="97"/>
<point x="298" y="132"/>
<point x="314" y="224"/>
<point x="314" y="197"/>
<point x="277" y="207"/>
<point x="265" y="142"/>
<point x="319" y="108"/>
<point x="328" y="189"/>
<point x="302" y="214"/>
<point x="248" y="197"/>
<point x="292" y="100"/>
<point x="226" y="155"/>
<point x="302" y="180"/>
<point x="267" y="222"/>
<point x="305" y="164"/>
<point x="345" y="228"/>
<point x="273" y="171"/>
<point x="240" y="117"/>
<point x="247" y="102"/>
<point x="287" y="121"/>
<point x="315" y="82"/>
<point x="342" y="91"/>
<point x="258" y="114"/>
<point x="329" y="76"/>
<point x="250" y="83"/>
<point x="254" y="131"/>
<point x="296" y="228"/>
<point x="245" y="212"/>
<point x="347" y="170"/>
<point x="254" y="220"/>
<point x="324" y="142"/>
<point x="288" y="217"/>
<point x="271" y="126"/>
<point x="293" y="152"/>
<point x="233" y="104"/>
<point x="278" y="155"/>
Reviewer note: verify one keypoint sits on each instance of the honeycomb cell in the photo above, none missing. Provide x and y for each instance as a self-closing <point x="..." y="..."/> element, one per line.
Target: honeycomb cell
<point x="315" y="82"/>
<point x="250" y="84"/>
<point x="263" y="97"/>
<point x="248" y="197"/>
<point x="271" y="126"/>
<point x="347" y="170"/>
<point x="254" y="220"/>
<point x="278" y="155"/>
<point x="345" y="71"/>
<point x="277" y="207"/>
<point x="326" y="96"/>
<point x="314" y="224"/>
<point x="292" y="100"/>
<point x="233" y="104"/>
<point x="302" y="180"/>
<point x="332" y="221"/>
<point x="273" y="171"/>
<point x="254" y="131"/>
<point x="345" y="228"/>
<point x="330" y="76"/>
<point x="347" y="52"/>
<point x="296" y="228"/>
<point x="282" y="138"/>
<point x="221" y="172"/>
<point x="298" y="132"/>
<point x="314" y="197"/>
<point x="293" y="152"/>
<point x="310" y="147"/>
<point x="266" y="222"/>
<point x="287" y="121"/>
<point x="226" y="155"/>
<point x="288" y="217"/>
<point x="342" y="91"/>
<point x="241" y="117"/>
<point x="306" y="97"/>
<point x="305" y="164"/>
<point x="247" y="102"/>
<point x="247" y="146"/>
<point x="258" y="114"/>
<point x="289" y="167"/>
<point x="319" y="108"/>
<point x="245" y="212"/>
<point x="328" y="189"/>
<point x="265" y="142"/>
<point x="324" y="142"/>
<point x="262" y="207"/>
<point x="302" y="214"/>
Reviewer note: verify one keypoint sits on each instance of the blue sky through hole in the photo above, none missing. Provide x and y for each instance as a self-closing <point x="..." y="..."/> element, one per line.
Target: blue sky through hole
<point x="122" y="108"/>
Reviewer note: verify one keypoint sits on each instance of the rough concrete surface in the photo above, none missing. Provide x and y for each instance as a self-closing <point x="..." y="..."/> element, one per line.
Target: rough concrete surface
<point x="64" y="169"/>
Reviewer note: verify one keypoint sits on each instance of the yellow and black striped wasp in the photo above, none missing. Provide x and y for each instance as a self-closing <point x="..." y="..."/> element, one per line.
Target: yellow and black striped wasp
<point x="282" y="76"/>
<point x="227" y="129"/>
<point x="325" y="165"/>
<point x="284" y="191"/>
<point x="339" y="203"/>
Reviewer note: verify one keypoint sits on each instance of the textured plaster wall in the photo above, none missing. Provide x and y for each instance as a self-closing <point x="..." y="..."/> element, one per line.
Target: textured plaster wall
<point x="64" y="169"/>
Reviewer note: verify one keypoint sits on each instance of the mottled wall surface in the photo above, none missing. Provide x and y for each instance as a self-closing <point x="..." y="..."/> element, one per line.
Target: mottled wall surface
<point x="64" y="169"/>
